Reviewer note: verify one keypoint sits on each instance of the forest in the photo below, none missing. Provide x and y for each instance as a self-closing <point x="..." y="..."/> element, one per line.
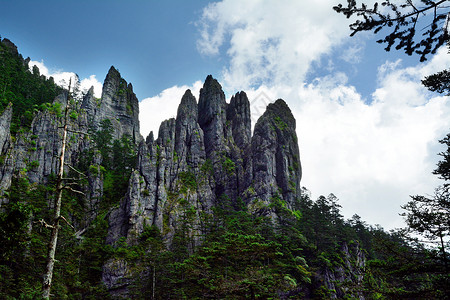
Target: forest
<point x="231" y="246"/>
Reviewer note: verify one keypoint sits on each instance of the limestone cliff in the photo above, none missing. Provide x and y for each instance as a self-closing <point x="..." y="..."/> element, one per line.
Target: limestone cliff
<point x="118" y="103"/>
<point x="34" y="153"/>
<point x="206" y="157"/>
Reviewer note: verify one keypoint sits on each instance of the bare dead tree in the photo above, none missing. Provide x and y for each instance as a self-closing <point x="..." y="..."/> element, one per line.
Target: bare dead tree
<point x="57" y="217"/>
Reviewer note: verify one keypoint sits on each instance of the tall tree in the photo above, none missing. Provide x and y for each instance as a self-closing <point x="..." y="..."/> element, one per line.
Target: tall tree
<point x="57" y="217"/>
<point x="430" y="217"/>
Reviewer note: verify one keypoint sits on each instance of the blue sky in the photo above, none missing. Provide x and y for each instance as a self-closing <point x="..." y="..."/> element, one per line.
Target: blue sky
<point x="152" y="43"/>
<point x="367" y="129"/>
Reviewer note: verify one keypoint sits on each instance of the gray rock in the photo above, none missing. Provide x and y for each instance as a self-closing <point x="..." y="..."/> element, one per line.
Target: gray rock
<point x="118" y="103"/>
<point x="5" y="124"/>
<point x="275" y="156"/>
<point x="212" y="118"/>
<point x="5" y="140"/>
<point x="238" y="115"/>
<point x="221" y="150"/>
<point x="349" y="272"/>
<point x="117" y="276"/>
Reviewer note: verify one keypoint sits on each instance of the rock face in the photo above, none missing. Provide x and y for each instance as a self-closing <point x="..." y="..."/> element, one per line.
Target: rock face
<point x="205" y="157"/>
<point x="5" y="123"/>
<point x="118" y="104"/>
<point x="276" y="164"/>
<point x="34" y="154"/>
<point x="5" y="136"/>
<point x="347" y="277"/>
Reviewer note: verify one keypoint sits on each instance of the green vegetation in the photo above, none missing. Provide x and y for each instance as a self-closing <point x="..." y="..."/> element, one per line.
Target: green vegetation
<point x="188" y="182"/>
<point x="228" y="165"/>
<point x="265" y="249"/>
<point x="26" y="90"/>
<point x="33" y="165"/>
<point x="280" y="124"/>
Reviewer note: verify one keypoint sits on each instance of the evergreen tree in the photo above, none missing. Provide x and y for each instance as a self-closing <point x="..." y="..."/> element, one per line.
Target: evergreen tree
<point x="405" y="20"/>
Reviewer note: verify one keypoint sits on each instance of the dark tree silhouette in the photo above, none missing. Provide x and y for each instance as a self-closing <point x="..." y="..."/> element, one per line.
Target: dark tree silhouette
<point x="429" y="217"/>
<point x="404" y="20"/>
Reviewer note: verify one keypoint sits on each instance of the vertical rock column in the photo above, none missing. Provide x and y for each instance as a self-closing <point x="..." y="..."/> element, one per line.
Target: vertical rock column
<point x="221" y="149"/>
<point x="5" y="173"/>
<point x="276" y="157"/>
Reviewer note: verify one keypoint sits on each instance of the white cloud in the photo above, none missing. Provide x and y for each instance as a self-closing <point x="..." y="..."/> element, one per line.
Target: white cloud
<point x="270" y="42"/>
<point x="62" y="78"/>
<point x="154" y="110"/>
<point x="353" y="54"/>
<point x="372" y="156"/>
<point x="87" y="83"/>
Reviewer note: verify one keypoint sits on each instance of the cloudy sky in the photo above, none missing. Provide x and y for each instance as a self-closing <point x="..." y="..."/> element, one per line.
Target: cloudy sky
<point x="367" y="129"/>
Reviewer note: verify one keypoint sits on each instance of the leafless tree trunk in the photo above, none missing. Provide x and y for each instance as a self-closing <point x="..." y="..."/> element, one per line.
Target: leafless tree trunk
<point x="154" y="281"/>
<point x="47" y="282"/>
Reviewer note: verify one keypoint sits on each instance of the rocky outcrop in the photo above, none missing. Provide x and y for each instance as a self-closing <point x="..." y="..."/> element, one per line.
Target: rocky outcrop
<point x="239" y="118"/>
<point x="5" y="123"/>
<point x="345" y="278"/>
<point x="204" y="157"/>
<point x="5" y="139"/>
<point x="275" y="156"/>
<point x="169" y="178"/>
<point x="118" y="104"/>
<point x="34" y="154"/>
<point x="225" y="156"/>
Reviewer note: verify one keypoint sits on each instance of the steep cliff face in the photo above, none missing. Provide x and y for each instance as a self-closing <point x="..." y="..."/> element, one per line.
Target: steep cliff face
<point x="118" y="104"/>
<point x="206" y="157"/>
<point x="34" y="153"/>
<point x="170" y="178"/>
<point x="275" y="156"/>
<point x="5" y="136"/>
<point x="5" y="122"/>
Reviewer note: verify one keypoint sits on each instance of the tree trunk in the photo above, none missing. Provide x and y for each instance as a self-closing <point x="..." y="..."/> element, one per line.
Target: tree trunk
<point x="154" y="283"/>
<point x="47" y="281"/>
<point x="444" y="256"/>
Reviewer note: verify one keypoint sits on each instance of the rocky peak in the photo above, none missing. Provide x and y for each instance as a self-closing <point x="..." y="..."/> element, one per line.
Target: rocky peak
<point x="149" y="139"/>
<point x="89" y="104"/>
<point x="211" y="101"/>
<point x="10" y="46"/>
<point x="281" y="109"/>
<point x="119" y="104"/>
<point x="187" y="110"/>
<point x="276" y="156"/>
<point x="212" y="114"/>
<point x="166" y="132"/>
<point x="238" y="114"/>
<point x="111" y="81"/>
